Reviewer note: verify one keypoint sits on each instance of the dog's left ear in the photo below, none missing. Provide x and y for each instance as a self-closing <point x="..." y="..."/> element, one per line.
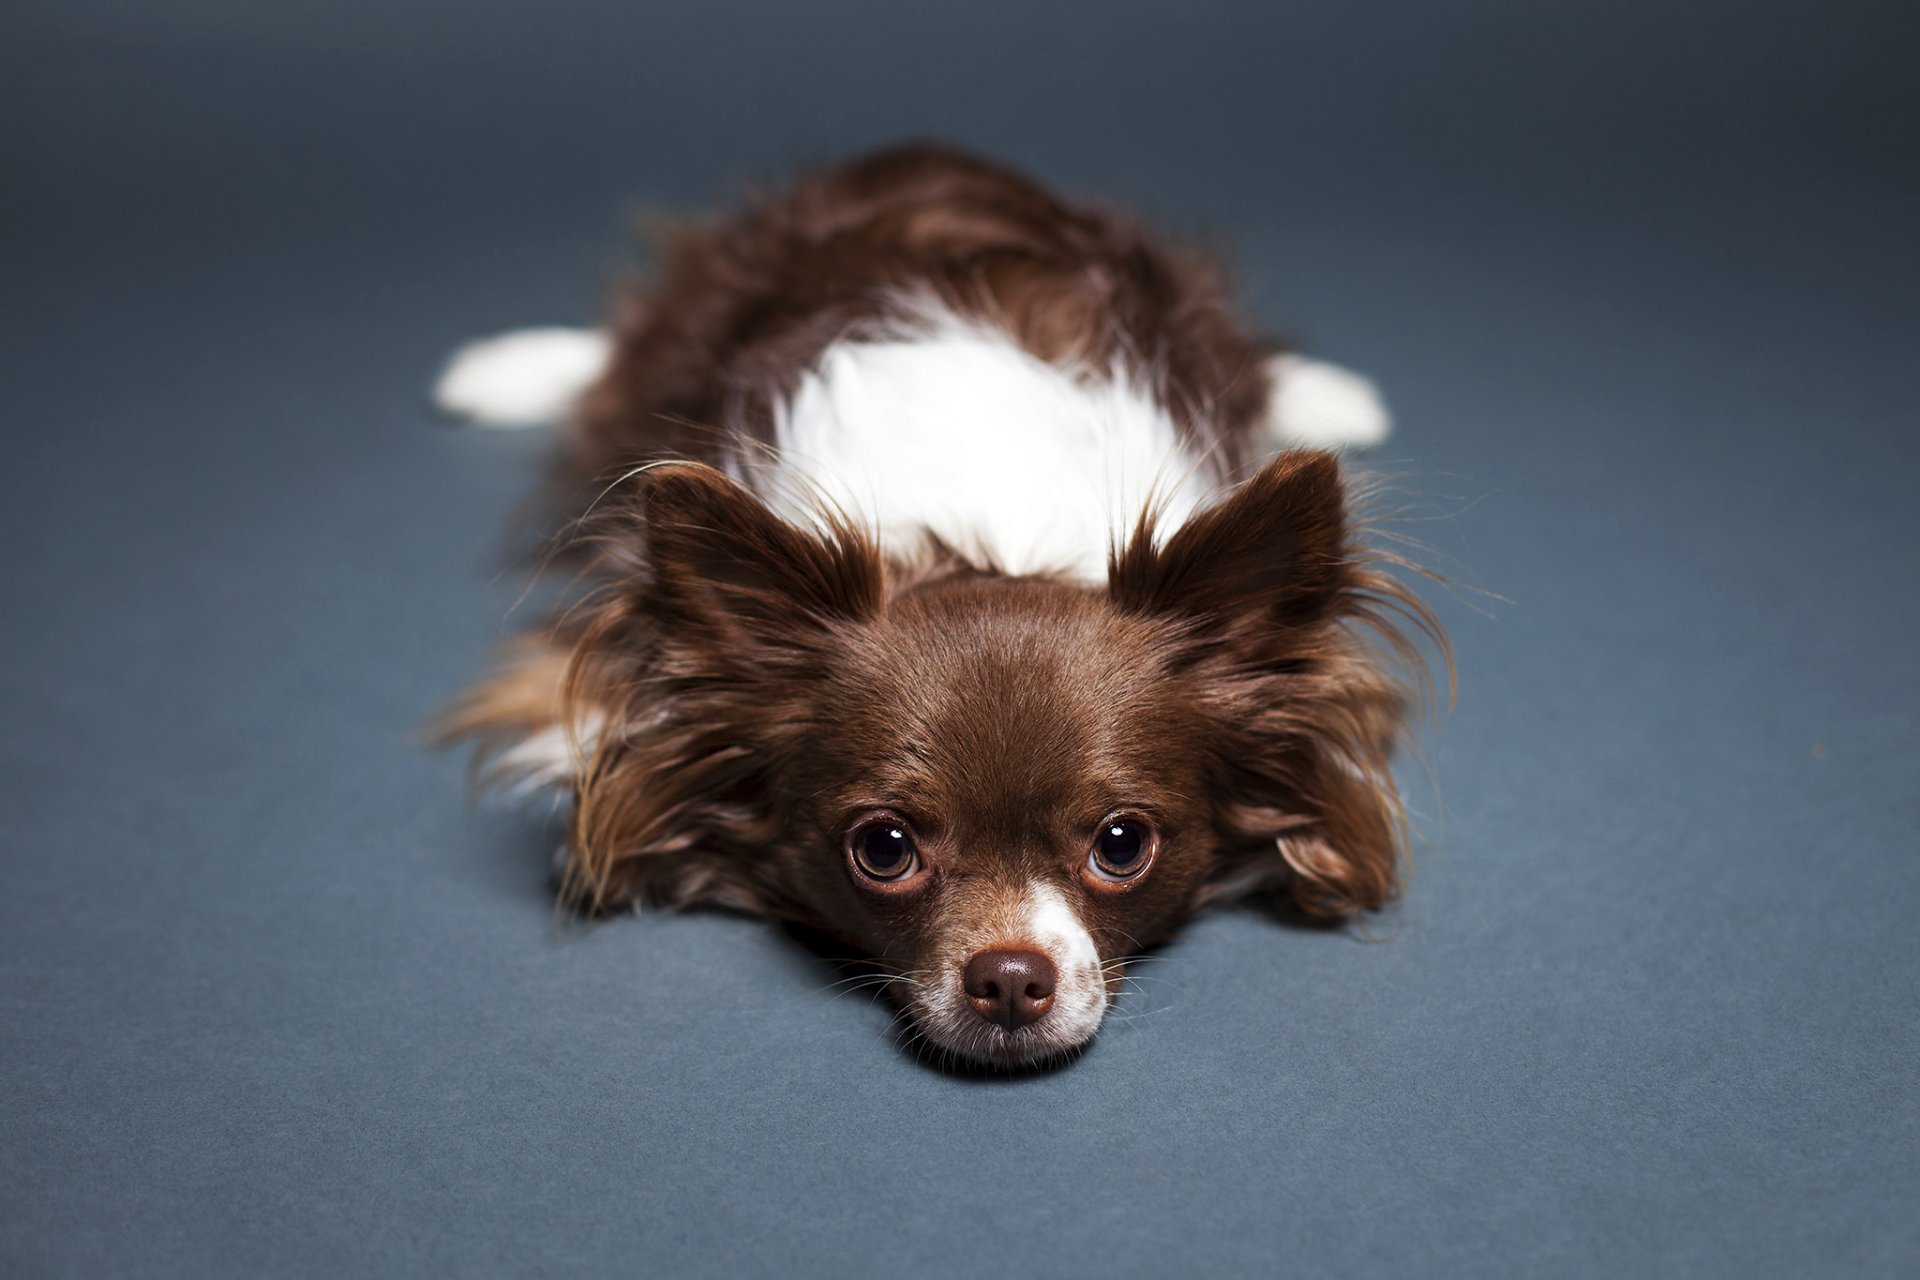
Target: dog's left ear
<point x="1271" y="555"/>
<point x="1259" y="594"/>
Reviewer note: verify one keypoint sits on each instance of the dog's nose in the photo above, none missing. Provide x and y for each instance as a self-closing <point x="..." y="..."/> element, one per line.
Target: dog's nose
<point x="1012" y="988"/>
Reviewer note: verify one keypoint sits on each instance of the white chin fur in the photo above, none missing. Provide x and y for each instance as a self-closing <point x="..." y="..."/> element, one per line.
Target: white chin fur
<point x="1322" y="406"/>
<point x="522" y="378"/>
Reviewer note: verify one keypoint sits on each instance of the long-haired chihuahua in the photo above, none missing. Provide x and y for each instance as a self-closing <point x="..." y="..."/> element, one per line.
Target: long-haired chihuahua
<point x="961" y="578"/>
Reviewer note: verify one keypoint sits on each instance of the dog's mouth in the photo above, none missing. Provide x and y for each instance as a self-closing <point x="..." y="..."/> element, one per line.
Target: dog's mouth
<point x="1011" y="980"/>
<point x="948" y="1023"/>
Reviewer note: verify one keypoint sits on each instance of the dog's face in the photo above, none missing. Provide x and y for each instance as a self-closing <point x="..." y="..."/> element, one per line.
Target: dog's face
<point x="998" y="787"/>
<point x="1005" y="796"/>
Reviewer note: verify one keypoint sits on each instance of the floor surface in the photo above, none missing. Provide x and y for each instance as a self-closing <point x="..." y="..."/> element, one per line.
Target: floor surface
<point x="1640" y="285"/>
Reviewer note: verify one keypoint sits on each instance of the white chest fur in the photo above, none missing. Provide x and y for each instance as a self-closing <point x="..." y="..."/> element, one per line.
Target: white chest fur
<point x="955" y="430"/>
<point x="948" y="426"/>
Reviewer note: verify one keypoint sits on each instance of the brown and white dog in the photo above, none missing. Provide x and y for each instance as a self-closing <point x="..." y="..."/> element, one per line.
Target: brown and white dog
<point x="966" y="582"/>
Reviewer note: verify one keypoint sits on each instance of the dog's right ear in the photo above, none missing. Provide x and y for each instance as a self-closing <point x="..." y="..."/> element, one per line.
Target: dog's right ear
<point x="689" y="682"/>
<point x="720" y="566"/>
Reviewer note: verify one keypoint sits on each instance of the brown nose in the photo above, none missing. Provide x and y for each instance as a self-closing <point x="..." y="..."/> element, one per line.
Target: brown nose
<point x="1012" y="988"/>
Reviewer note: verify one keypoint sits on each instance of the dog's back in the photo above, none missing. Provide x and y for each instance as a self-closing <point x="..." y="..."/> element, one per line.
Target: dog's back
<point x="743" y="309"/>
<point x="1017" y="306"/>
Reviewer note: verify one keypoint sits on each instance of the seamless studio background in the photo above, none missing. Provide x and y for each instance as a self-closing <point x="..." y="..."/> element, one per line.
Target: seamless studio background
<point x="1639" y="281"/>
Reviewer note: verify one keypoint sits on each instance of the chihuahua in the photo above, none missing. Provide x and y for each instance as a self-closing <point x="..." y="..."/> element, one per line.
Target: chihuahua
<point x="961" y="577"/>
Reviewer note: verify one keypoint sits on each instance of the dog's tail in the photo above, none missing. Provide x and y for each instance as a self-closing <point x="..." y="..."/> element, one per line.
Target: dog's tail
<point x="1323" y="406"/>
<point x="523" y="378"/>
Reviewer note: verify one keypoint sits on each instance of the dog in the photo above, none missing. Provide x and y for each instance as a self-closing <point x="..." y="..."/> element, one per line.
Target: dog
<point x="964" y="579"/>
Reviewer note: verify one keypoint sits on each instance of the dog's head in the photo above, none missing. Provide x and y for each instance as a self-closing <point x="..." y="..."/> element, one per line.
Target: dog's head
<point x="998" y="787"/>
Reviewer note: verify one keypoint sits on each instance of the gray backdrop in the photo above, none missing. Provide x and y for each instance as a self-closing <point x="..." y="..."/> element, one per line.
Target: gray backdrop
<point x="1639" y="280"/>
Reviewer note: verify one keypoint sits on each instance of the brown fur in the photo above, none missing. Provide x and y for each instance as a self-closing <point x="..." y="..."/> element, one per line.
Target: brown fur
<point x="756" y="687"/>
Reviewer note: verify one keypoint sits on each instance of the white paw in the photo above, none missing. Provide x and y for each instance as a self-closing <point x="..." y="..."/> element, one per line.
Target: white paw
<point x="522" y="378"/>
<point x="1323" y="406"/>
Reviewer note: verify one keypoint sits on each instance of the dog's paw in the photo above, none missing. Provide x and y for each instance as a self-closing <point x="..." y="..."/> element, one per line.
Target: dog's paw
<point x="1322" y="406"/>
<point x="522" y="378"/>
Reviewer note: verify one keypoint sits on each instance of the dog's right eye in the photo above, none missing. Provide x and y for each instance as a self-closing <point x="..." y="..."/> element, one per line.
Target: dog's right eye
<point x="882" y="850"/>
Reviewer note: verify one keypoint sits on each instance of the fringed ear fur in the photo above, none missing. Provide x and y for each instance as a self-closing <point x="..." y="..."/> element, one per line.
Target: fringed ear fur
<point x="1282" y="617"/>
<point x="663" y="703"/>
<point x="720" y="563"/>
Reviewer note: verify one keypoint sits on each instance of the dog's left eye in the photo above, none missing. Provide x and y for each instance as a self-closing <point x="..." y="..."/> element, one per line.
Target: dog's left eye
<point x="1121" y="849"/>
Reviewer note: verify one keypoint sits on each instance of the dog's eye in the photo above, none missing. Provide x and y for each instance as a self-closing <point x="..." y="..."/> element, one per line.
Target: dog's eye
<point x="882" y="850"/>
<point x="1121" y="850"/>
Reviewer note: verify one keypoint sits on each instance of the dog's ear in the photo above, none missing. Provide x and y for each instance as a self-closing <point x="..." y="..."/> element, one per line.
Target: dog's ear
<point x="1308" y="800"/>
<point x="684" y="688"/>
<point x="1263" y="597"/>
<point x="1270" y="557"/>
<point x="722" y="568"/>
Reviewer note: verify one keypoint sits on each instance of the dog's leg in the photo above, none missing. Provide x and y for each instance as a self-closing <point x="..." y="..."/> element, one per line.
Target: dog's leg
<point x="1322" y="406"/>
<point x="523" y="378"/>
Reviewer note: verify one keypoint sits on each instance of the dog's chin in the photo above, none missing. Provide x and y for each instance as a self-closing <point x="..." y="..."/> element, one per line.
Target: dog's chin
<point x="993" y="1048"/>
<point x="972" y="1041"/>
